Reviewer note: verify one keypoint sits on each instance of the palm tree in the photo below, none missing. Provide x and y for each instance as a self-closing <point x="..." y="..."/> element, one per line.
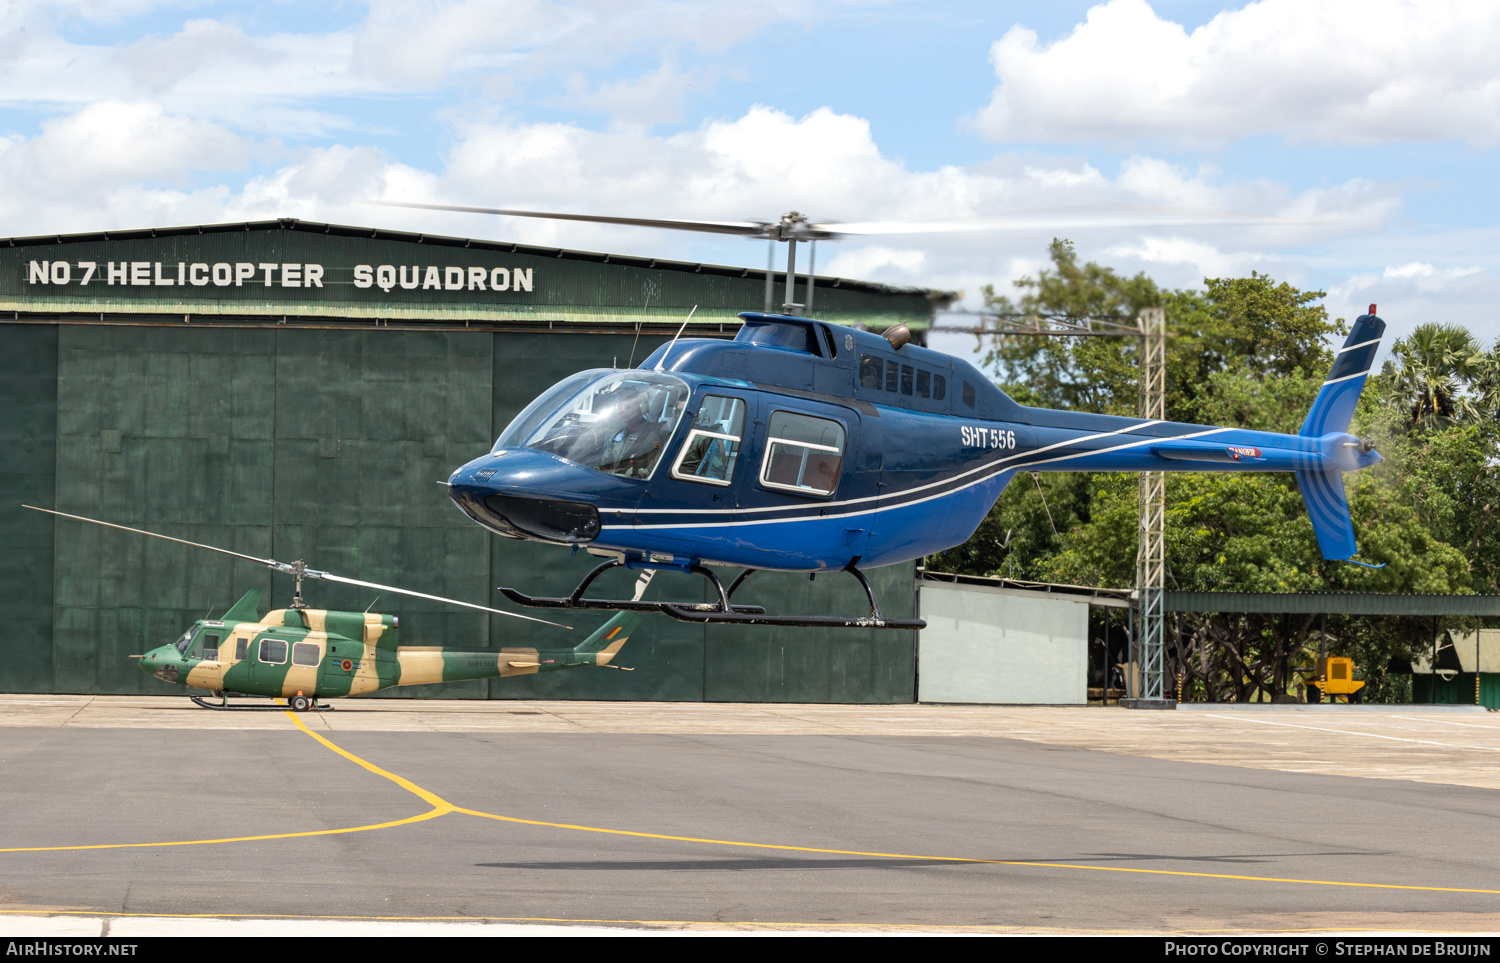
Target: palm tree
<point x="1428" y="371"/>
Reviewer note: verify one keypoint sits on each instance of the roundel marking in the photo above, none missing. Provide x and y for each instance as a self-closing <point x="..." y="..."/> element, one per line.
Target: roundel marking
<point x="347" y="665"/>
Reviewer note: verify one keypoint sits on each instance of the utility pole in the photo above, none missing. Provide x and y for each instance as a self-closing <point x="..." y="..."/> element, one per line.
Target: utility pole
<point x="1146" y="646"/>
<point x="1151" y="544"/>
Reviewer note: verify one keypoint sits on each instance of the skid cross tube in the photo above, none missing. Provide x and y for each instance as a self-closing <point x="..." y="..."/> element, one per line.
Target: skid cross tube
<point x="575" y="599"/>
<point x="722" y="611"/>
<point x="719" y="616"/>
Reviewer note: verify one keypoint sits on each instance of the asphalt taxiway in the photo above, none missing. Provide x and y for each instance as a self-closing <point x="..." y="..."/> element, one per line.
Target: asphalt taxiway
<point x="142" y="812"/>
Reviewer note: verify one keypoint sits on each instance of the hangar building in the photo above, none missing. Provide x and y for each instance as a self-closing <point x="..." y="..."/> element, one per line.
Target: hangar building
<point x="296" y="390"/>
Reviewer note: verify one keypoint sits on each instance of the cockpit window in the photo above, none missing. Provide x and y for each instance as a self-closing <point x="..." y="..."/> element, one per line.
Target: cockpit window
<point x="522" y="426"/>
<point x="618" y="424"/>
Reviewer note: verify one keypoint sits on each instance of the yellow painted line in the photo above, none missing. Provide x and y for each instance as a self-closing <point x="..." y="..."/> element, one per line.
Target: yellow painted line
<point x="233" y="839"/>
<point x="440" y="807"/>
<point x="438" y="803"/>
<point x="972" y="859"/>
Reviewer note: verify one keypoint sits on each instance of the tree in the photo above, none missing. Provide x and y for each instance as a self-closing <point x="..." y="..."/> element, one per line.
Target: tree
<point x="1250" y="352"/>
<point x="1427" y="372"/>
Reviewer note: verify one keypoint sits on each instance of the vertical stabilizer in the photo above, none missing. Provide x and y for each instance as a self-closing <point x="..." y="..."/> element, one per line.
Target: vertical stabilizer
<point x="246" y="609"/>
<point x="1323" y="493"/>
<point x="605" y="643"/>
<point x="1331" y="412"/>
<point x="1334" y="406"/>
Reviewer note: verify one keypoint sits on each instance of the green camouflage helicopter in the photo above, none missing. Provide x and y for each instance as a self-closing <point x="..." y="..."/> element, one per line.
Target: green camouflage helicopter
<point x="301" y="653"/>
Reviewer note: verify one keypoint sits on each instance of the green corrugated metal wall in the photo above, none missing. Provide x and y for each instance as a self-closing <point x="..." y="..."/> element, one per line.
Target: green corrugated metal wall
<point x="328" y="445"/>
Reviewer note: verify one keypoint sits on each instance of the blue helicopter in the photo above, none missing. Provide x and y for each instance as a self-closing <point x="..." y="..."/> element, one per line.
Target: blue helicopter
<point x="806" y="446"/>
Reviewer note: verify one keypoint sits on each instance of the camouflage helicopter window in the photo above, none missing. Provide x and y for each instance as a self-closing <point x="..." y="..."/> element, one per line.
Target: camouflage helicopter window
<point x="210" y="643"/>
<point x="713" y="446"/>
<point x="273" y="651"/>
<point x="306" y="653"/>
<point x="871" y="372"/>
<point x="803" y="454"/>
<point x="241" y="646"/>
<point x="186" y="640"/>
<point x="619" y="424"/>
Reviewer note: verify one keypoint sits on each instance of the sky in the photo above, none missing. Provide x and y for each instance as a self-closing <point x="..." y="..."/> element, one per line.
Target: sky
<point x="1347" y="146"/>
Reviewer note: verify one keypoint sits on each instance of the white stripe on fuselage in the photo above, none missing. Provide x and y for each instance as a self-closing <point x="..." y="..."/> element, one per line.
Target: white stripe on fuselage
<point x="945" y="481"/>
<point x="918" y="501"/>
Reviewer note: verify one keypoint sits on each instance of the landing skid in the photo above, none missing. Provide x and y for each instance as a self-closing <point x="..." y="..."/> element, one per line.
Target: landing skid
<point x="722" y="612"/>
<point x="223" y="705"/>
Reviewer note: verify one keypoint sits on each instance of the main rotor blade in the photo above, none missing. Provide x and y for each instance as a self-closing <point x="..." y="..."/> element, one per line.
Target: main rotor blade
<point x="330" y="577"/>
<point x="743" y="229"/>
<point x="268" y="562"/>
<point x="1043" y="220"/>
<point x="274" y="565"/>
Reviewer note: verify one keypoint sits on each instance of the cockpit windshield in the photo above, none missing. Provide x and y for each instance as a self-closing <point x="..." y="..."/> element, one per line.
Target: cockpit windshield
<point x="186" y="640"/>
<point x="619" y="423"/>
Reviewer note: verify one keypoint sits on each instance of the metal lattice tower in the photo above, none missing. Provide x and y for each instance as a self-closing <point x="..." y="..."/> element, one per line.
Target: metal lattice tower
<point x="1151" y="546"/>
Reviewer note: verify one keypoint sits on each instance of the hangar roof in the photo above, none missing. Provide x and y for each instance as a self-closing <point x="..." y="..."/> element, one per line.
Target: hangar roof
<point x="309" y="272"/>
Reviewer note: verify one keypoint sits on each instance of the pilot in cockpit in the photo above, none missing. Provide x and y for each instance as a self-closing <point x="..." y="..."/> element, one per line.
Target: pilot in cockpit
<point x="635" y="446"/>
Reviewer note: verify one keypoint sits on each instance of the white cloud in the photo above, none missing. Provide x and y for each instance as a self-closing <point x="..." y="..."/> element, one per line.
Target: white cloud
<point x="1342" y="71"/>
<point x="548" y="49"/>
<point x="878" y="260"/>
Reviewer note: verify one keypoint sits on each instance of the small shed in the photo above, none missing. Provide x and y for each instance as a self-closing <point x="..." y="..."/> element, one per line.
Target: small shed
<point x="1461" y="658"/>
<point x="995" y="645"/>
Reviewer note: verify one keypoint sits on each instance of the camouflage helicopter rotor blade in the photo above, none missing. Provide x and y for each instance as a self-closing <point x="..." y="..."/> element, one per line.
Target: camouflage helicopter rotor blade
<point x="268" y="562"/>
<point x="330" y="577"/>
<point x="293" y="569"/>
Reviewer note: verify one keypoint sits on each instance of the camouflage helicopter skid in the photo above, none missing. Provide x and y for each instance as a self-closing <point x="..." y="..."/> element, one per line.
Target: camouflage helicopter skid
<point x="302" y="653"/>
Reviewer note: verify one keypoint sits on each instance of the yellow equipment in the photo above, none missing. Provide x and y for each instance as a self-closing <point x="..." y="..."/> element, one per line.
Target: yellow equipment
<point x="1336" y="678"/>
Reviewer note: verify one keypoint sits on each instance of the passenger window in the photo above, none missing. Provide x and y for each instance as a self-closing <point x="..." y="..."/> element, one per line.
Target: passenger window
<point x="924" y="383"/>
<point x="211" y="647"/>
<point x="803" y="454"/>
<point x="939" y="387"/>
<point x="906" y="377"/>
<point x="305" y="653"/>
<point x="871" y="371"/>
<point x="241" y="647"/>
<point x="968" y="394"/>
<point x="713" y="446"/>
<point x="891" y="368"/>
<point x="273" y="651"/>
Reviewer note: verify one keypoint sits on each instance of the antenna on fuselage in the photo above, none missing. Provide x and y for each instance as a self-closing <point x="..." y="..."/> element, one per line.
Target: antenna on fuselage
<point x="675" y="337"/>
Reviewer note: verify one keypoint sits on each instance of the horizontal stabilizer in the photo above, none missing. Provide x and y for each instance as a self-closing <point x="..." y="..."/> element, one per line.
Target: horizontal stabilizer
<point x="1333" y="409"/>
<point x="1323" y="493"/>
